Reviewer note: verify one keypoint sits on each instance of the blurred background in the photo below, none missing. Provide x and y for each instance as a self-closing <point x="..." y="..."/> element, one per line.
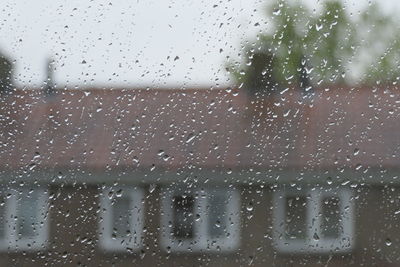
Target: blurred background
<point x="138" y="43"/>
<point x="199" y="133"/>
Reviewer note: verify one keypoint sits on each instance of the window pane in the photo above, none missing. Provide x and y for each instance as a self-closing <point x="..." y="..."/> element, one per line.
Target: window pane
<point x="183" y="216"/>
<point x="217" y="215"/>
<point x="330" y="217"/>
<point x="296" y="216"/>
<point x="121" y="217"/>
<point x="27" y="215"/>
<point x="200" y="133"/>
<point x="3" y="219"/>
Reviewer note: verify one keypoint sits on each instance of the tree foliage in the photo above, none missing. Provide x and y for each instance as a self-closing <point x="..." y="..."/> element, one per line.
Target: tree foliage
<point x="305" y="47"/>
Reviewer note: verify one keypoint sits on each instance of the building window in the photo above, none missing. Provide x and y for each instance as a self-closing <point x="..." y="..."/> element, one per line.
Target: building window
<point x="200" y="220"/>
<point x="314" y="220"/>
<point x="121" y="219"/>
<point x="23" y="219"/>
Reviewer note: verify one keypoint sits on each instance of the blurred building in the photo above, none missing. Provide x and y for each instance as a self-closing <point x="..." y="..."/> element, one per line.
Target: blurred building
<point x="200" y="177"/>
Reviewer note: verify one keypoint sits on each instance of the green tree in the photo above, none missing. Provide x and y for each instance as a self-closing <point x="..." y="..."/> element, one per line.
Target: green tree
<point x="381" y="35"/>
<point x="305" y="48"/>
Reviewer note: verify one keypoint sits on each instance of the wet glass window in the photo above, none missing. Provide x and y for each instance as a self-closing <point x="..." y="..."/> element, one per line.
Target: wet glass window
<point x="201" y="220"/>
<point x="315" y="220"/>
<point x="27" y="216"/>
<point x="217" y="215"/>
<point x="331" y="217"/>
<point x="121" y="220"/>
<point x="200" y="133"/>
<point x="296" y="217"/>
<point x="31" y="218"/>
<point x="183" y="209"/>
<point x="3" y="217"/>
<point x="121" y="216"/>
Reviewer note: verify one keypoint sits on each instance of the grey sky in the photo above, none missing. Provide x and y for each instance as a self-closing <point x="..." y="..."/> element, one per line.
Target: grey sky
<point x="131" y="42"/>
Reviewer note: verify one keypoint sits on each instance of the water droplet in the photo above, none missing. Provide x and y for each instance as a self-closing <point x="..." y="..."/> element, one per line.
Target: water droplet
<point x="190" y="138"/>
<point x="153" y="167"/>
<point x="119" y="193"/>
<point x="152" y="187"/>
<point x="32" y="166"/>
<point x="315" y="237"/>
<point x="276" y="12"/>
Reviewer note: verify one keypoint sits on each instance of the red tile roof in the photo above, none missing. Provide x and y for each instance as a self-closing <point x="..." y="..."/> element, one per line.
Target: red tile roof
<point x="200" y="128"/>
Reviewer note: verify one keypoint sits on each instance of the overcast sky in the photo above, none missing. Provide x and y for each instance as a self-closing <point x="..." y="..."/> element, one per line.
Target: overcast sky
<point x="158" y="43"/>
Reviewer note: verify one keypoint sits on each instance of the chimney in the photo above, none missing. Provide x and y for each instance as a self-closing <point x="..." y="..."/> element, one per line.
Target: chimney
<point x="260" y="74"/>
<point x="49" y="85"/>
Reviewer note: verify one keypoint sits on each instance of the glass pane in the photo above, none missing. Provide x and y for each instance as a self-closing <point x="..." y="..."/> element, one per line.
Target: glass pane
<point x="285" y="101"/>
<point x="331" y="217"/>
<point x="217" y="216"/>
<point x="183" y="224"/>
<point x="3" y="219"/>
<point x="27" y="215"/>
<point x="121" y="217"/>
<point x="296" y="217"/>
